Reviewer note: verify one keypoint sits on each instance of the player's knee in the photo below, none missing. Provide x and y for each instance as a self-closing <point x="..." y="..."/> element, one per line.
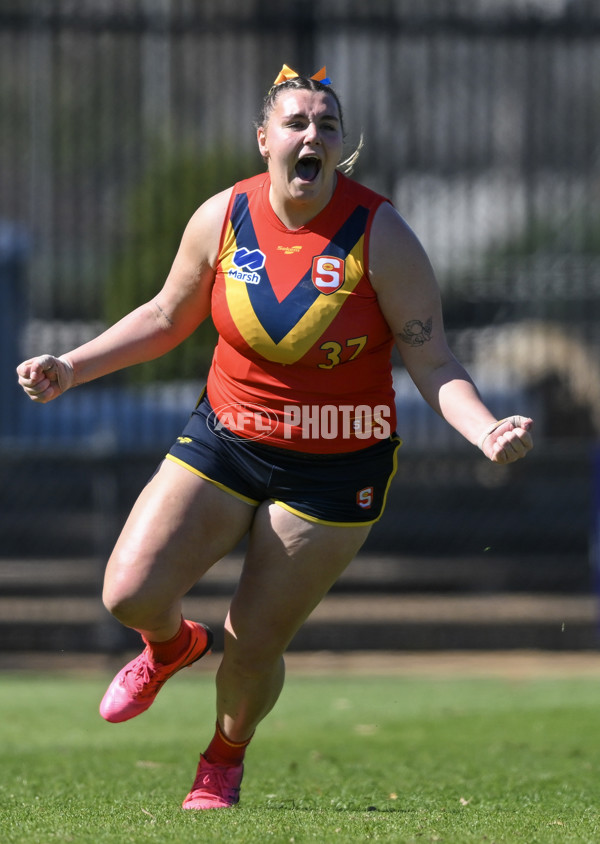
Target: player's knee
<point x="125" y="608"/>
<point x="254" y="654"/>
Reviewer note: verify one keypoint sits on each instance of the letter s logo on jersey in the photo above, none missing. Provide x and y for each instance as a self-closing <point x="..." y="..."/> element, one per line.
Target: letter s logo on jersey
<point x="328" y="273"/>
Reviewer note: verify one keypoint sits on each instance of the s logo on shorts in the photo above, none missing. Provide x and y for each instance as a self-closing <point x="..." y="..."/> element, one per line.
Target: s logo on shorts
<point x="364" y="497"/>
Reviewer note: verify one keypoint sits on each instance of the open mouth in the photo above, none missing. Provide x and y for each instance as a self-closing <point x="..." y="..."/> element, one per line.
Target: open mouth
<point x="308" y="167"/>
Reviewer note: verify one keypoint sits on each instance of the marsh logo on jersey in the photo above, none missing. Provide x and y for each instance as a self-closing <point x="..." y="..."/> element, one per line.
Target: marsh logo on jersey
<point x="247" y="262"/>
<point x="328" y="273"/>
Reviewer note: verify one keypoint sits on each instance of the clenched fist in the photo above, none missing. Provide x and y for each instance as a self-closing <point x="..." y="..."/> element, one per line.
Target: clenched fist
<point x="45" y="377"/>
<point x="507" y="440"/>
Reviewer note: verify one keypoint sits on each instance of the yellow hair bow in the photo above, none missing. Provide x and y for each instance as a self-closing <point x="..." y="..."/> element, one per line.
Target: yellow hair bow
<point x="287" y="73"/>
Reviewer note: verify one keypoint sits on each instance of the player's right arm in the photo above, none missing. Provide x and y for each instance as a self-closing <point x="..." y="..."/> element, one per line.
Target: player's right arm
<point x="152" y="329"/>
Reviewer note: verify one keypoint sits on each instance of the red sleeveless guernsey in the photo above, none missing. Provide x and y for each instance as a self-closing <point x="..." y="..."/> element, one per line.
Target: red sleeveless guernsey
<point x="303" y="356"/>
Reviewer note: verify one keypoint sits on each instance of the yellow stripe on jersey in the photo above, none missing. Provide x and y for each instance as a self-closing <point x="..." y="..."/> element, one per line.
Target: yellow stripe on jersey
<point x="310" y="324"/>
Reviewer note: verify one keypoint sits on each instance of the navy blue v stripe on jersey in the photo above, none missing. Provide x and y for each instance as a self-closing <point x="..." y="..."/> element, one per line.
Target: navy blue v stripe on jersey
<point x="279" y="318"/>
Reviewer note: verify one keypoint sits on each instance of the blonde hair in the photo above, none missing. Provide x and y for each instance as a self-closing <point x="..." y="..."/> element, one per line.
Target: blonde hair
<point x="347" y="165"/>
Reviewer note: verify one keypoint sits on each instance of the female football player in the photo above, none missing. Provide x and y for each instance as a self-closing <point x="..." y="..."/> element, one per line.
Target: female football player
<point x="310" y="279"/>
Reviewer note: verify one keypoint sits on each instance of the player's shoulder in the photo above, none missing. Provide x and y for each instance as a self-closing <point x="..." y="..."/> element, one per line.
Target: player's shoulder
<point x="396" y="252"/>
<point x="252" y="183"/>
<point x="391" y="231"/>
<point x="212" y="211"/>
<point x="361" y="194"/>
<point x="202" y="234"/>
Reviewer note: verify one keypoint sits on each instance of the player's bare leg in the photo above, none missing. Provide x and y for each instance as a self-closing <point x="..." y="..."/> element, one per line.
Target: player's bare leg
<point x="179" y="527"/>
<point x="290" y="565"/>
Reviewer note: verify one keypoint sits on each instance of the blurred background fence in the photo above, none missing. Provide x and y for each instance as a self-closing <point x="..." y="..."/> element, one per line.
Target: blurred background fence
<point x="481" y="120"/>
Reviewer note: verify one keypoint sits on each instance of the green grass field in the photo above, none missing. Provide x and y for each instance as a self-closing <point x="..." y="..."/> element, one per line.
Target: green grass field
<point x="340" y="759"/>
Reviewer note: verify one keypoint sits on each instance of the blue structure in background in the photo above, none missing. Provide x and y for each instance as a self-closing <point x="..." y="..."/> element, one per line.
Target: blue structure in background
<point x="99" y="419"/>
<point x="106" y="420"/>
<point x="14" y="253"/>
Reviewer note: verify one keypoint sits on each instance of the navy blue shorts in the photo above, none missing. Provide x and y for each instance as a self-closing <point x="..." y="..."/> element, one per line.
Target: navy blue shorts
<point x="334" y="489"/>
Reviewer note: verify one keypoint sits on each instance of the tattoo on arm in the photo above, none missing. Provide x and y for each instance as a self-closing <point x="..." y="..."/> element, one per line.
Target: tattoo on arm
<point x="162" y="313"/>
<point x="416" y="333"/>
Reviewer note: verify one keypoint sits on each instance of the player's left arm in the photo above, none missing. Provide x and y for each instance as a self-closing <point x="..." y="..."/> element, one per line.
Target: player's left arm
<point x="409" y="298"/>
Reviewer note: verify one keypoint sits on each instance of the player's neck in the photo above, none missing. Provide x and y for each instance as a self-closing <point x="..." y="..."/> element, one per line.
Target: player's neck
<point x="295" y="213"/>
